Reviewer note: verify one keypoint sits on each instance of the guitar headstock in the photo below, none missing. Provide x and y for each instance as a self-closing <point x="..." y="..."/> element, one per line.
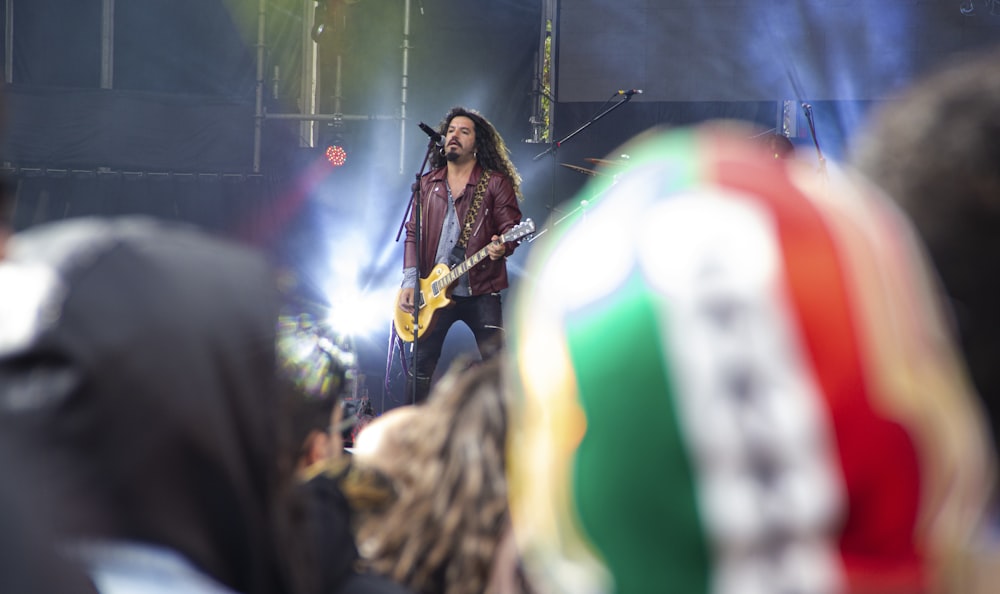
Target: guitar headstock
<point x="519" y="231"/>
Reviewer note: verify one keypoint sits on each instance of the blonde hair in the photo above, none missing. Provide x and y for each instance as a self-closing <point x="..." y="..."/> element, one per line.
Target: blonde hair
<point x="447" y="461"/>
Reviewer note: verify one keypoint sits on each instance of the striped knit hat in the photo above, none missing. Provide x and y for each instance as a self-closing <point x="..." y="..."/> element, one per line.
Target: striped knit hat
<point x="735" y="376"/>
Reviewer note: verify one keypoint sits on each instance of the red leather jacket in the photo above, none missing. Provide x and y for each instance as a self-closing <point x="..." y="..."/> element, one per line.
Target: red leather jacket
<point x="499" y="212"/>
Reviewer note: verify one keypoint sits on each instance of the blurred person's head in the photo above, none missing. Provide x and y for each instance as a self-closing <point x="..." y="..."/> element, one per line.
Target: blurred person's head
<point x="733" y="375"/>
<point x="935" y="149"/>
<point x="137" y="363"/>
<point x="316" y="367"/>
<point x="446" y="460"/>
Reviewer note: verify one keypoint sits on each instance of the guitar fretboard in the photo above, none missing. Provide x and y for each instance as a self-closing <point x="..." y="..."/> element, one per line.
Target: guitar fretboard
<point x="456" y="272"/>
<point x="520" y="230"/>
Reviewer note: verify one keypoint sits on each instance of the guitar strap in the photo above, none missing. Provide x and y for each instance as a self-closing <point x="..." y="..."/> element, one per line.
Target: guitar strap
<point x="470" y="216"/>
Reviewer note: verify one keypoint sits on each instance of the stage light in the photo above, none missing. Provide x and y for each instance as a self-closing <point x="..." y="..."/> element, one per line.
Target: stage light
<point x="355" y="304"/>
<point x="336" y="155"/>
<point x="362" y="314"/>
<point x="317" y="30"/>
<point x="333" y="143"/>
<point x="319" y="21"/>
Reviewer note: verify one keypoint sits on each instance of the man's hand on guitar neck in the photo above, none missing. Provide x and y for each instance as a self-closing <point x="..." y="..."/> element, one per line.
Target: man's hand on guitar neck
<point x="496" y="250"/>
<point x="406" y="300"/>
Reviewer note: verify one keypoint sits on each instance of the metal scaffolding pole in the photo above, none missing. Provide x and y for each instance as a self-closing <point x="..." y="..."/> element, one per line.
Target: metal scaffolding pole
<point x="404" y="85"/>
<point x="541" y="105"/>
<point x="309" y="89"/>
<point x="107" y="44"/>
<point x="318" y="117"/>
<point x="8" y="41"/>
<point x="550" y="32"/>
<point x="258" y="124"/>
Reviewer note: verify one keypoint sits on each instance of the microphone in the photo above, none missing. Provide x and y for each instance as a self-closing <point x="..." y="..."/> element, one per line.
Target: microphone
<point x="438" y="139"/>
<point x="629" y="92"/>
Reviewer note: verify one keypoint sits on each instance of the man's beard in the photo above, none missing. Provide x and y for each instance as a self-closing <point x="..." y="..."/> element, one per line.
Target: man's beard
<point x="451" y="156"/>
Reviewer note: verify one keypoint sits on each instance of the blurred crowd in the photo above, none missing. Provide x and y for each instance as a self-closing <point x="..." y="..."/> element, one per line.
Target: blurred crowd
<point x="735" y="372"/>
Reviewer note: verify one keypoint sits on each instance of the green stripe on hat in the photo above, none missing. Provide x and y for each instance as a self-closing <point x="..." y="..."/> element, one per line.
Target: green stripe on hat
<point x="632" y="474"/>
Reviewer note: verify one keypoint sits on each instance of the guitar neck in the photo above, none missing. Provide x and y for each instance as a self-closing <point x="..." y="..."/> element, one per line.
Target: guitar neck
<point x="520" y="230"/>
<point x="462" y="268"/>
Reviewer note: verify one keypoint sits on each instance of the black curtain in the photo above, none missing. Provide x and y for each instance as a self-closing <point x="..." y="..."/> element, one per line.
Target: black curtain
<point x="174" y="136"/>
<point x="246" y="208"/>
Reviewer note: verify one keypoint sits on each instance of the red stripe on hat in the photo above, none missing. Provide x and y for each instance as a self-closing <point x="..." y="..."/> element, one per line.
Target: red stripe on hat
<point x="877" y="454"/>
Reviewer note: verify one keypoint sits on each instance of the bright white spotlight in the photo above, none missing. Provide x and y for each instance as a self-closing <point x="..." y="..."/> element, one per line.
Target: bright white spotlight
<point x="361" y="314"/>
<point x="357" y="306"/>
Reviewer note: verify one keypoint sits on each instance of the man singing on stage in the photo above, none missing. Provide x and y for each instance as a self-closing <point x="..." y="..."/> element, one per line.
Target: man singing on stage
<point x="467" y="201"/>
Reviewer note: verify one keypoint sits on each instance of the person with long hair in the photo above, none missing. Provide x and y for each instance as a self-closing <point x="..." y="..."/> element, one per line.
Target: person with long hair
<point x="446" y="459"/>
<point x="467" y="201"/>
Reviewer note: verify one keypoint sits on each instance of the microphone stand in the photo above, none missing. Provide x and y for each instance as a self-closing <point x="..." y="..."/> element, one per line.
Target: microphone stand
<point x="812" y="131"/>
<point x="552" y="148"/>
<point x="415" y="201"/>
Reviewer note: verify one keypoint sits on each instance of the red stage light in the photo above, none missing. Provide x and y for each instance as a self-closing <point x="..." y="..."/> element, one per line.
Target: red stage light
<point x="336" y="155"/>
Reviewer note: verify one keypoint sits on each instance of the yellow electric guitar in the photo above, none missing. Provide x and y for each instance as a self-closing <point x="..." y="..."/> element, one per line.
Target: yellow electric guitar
<point x="434" y="290"/>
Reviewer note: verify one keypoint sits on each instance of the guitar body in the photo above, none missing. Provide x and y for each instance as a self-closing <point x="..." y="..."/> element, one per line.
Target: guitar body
<point x="433" y="290"/>
<point x="429" y="302"/>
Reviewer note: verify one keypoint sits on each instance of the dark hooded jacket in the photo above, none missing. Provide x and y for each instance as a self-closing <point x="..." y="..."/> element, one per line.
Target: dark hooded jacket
<point x="137" y="362"/>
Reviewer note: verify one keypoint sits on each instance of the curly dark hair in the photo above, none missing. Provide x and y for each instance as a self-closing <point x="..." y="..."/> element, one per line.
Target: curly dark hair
<point x="447" y="461"/>
<point x="491" y="151"/>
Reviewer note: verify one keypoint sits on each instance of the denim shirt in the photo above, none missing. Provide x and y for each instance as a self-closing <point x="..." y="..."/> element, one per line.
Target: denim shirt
<point x="449" y="237"/>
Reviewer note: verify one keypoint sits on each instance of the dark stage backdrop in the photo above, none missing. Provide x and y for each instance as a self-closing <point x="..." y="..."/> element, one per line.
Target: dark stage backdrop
<point x="182" y="101"/>
<point x="753" y="60"/>
<point x="182" y="98"/>
<point x="761" y="50"/>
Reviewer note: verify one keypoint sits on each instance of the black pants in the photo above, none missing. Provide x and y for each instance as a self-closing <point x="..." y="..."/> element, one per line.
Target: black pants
<point x="483" y="314"/>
